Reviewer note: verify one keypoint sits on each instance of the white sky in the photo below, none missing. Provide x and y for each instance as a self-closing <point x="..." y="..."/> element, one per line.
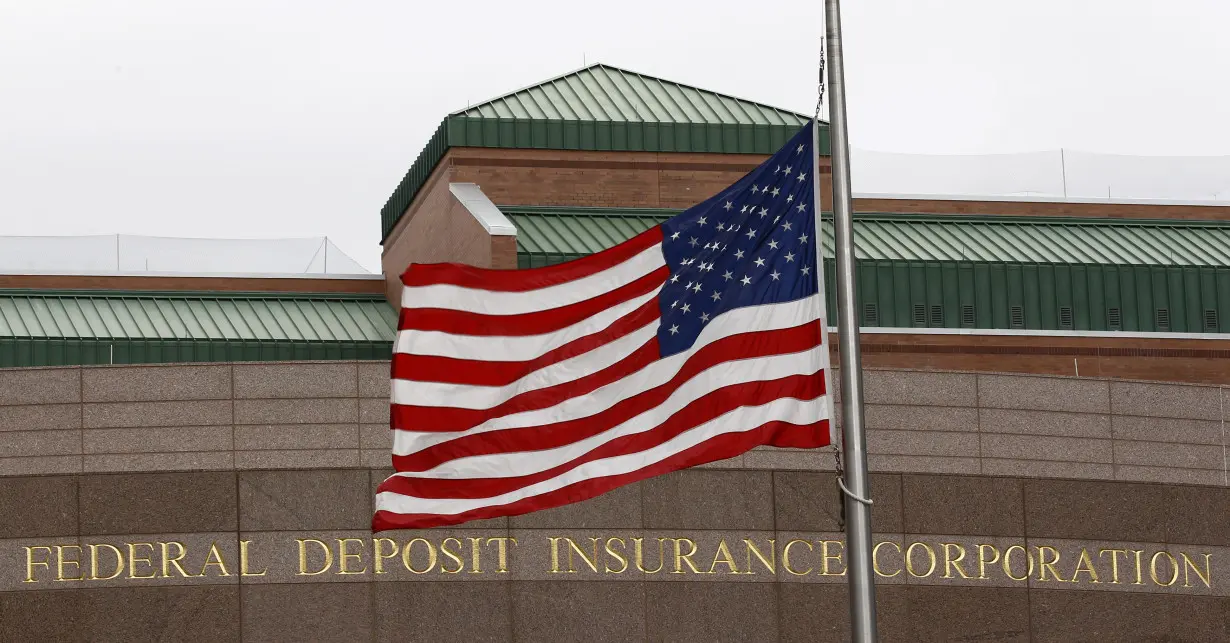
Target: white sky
<point x="256" y="118"/>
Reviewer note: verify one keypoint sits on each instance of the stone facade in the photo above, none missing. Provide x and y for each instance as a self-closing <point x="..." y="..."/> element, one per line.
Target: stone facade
<point x="197" y="502"/>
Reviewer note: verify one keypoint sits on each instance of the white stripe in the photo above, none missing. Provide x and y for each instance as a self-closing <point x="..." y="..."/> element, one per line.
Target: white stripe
<point x="737" y="421"/>
<point x="521" y="348"/>
<point x="489" y="302"/>
<point x="471" y="396"/>
<point x="739" y="320"/>
<point x="520" y="463"/>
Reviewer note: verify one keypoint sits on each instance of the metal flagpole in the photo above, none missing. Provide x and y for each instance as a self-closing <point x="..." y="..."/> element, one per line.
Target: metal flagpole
<point x="854" y="442"/>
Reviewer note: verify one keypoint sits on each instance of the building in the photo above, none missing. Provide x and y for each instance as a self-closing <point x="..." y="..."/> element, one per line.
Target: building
<point x="194" y="456"/>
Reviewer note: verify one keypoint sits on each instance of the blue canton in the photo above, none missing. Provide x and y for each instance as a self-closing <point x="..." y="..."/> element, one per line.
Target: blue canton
<point x="750" y="245"/>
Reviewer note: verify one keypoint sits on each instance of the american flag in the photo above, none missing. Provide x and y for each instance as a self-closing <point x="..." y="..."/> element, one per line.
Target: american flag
<point x="695" y="341"/>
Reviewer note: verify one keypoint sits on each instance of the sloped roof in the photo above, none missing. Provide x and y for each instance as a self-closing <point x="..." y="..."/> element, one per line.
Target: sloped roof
<point x="548" y="235"/>
<point x="602" y="108"/>
<point x="40" y="328"/>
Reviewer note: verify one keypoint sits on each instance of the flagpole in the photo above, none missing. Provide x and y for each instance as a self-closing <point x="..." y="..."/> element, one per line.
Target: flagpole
<point x="854" y="442"/>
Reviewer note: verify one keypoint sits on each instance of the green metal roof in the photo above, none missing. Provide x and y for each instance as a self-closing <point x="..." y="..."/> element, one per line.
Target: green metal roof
<point x="90" y="327"/>
<point x="603" y="108"/>
<point x="548" y="235"/>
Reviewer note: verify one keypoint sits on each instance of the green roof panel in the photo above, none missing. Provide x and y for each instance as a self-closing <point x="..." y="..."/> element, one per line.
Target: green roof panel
<point x="548" y="235"/>
<point x="45" y="328"/>
<point x="603" y="108"/>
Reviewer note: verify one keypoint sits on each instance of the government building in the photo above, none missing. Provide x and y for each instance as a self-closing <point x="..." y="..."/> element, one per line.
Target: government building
<point x="193" y="456"/>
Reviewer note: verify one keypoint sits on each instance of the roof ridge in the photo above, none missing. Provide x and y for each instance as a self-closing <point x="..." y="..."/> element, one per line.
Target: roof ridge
<point x="634" y="73"/>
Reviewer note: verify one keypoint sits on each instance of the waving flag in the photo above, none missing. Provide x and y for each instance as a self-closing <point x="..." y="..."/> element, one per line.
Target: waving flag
<point x="692" y="342"/>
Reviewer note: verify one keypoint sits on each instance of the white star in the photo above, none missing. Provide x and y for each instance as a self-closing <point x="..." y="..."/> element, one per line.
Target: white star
<point x="751" y="234"/>
<point x="696" y="288"/>
<point x="674" y="303"/>
<point x="728" y="206"/>
<point x="745" y="281"/>
<point x="707" y="268"/>
<point x="790" y="198"/>
<point x="773" y="245"/>
<point x="807" y="270"/>
<point x="727" y="276"/>
<point x="693" y="242"/>
<point x="738" y="254"/>
<point x="688" y="286"/>
<point x="704" y="317"/>
<point x="777" y="218"/>
<point x="675" y="236"/>
<point x="779" y="169"/>
<point x="686" y="308"/>
<point x="755" y="188"/>
<point x="720" y="226"/>
<point x="787" y="169"/>
<point x="789" y="257"/>
<point x="702" y="221"/>
<point x="802" y="206"/>
<point x="675" y="279"/>
<point x="801" y="176"/>
<point x="716" y="296"/>
<point x="759" y="262"/>
<point x="800" y="149"/>
<point x="743" y="210"/>
<point x="674" y="330"/>
<point x="764" y="212"/>
<point x="775" y="274"/>
<point x="775" y="191"/>
<point x="786" y="225"/>
<point x="803" y="239"/>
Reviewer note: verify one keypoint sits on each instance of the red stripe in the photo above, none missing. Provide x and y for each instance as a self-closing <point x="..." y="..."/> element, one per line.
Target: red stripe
<point x="460" y="322"/>
<point x="432" y="368"/>
<point x="533" y="278"/>
<point x="719" y="448"/>
<point x="808" y="388"/>
<point x="741" y="346"/>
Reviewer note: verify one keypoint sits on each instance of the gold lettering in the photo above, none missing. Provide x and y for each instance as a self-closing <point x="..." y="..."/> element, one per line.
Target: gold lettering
<point x="133" y="560"/>
<point x="825" y="557"/>
<point x="1188" y="564"/>
<point x="1029" y="558"/>
<point x="572" y="546"/>
<point x="681" y="557"/>
<point x="344" y="556"/>
<point x="983" y="561"/>
<point x="243" y="560"/>
<point x="640" y="555"/>
<point x="909" y="559"/>
<point x="875" y="558"/>
<point x="303" y="556"/>
<point x="1174" y="567"/>
<point x="786" y="557"/>
<point x="1139" y="566"/>
<point x="749" y="549"/>
<point x="378" y="554"/>
<point x="168" y="562"/>
<point x="431" y="556"/>
<point x="452" y="556"/>
<point x="60" y="561"/>
<point x="30" y="562"/>
<point x="1085" y="564"/>
<point x="951" y="563"/>
<point x="214" y="558"/>
<point x="119" y="562"/>
<point x="475" y="556"/>
<point x="616" y="555"/>
<point x="555" y="553"/>
<point x="502" y="548"/>
<point x="724" y="557"/>
<point x="1044" y="565"/>
<point x="1114" y="562"/>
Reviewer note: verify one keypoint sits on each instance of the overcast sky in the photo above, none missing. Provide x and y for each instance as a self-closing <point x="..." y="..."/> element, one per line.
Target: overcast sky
<point x="255" y="118"/>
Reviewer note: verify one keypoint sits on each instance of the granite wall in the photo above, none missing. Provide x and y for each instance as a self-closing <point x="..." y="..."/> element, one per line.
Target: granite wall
<point x="198" y="503"/>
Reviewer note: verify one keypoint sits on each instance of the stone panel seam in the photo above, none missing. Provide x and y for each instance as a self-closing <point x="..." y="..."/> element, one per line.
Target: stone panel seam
<point x="1225" y="466"/>
<point x="978" y="419"/>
